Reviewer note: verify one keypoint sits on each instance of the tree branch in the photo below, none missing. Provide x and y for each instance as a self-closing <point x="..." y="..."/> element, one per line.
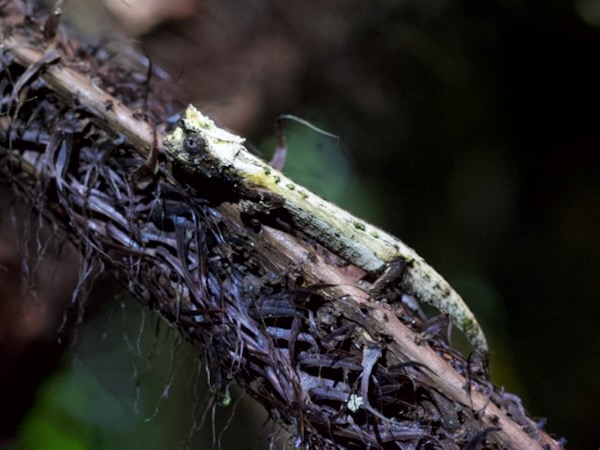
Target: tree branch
<point x="265" y="303"/>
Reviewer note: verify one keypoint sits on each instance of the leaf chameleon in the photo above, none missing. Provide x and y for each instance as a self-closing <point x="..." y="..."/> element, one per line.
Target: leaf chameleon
<point x="199" y="145"/>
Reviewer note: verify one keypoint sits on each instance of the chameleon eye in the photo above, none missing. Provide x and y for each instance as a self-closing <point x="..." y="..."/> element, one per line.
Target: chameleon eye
<point x="193" y="143"/>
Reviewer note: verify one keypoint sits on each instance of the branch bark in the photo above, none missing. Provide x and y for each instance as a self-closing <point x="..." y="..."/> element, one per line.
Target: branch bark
<point x="288" y="319"/>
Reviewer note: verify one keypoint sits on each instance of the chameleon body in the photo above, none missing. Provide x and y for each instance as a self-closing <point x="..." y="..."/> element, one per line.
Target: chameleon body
<point x="199" y="145"/>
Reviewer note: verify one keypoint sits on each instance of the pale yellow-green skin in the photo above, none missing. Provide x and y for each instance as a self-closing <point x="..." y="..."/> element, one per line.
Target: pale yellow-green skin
<point x="359" y="242"/>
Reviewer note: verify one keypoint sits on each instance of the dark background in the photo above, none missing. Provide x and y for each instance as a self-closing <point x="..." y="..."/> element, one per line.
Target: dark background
<point x="470" y="130"/>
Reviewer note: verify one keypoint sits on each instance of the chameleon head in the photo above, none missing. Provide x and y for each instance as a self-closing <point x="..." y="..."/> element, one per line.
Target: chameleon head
<point x="185" y="148"/>
<point x="198" y="139"/>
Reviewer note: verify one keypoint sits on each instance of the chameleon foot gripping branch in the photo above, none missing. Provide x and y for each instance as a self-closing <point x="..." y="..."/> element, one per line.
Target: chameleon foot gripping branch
<point x="199" y="146"/>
